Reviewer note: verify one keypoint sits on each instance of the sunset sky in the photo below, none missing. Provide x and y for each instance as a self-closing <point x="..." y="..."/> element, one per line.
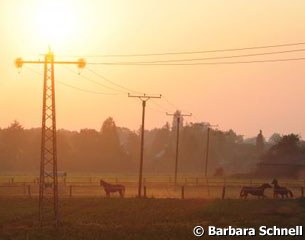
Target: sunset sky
<point x="242" y="97"/>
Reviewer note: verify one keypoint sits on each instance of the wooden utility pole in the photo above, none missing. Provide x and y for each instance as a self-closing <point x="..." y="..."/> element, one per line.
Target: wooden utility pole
<point x="144" y="98"/>
<point x="207" y="150"/>
<point x="178" y="116"/>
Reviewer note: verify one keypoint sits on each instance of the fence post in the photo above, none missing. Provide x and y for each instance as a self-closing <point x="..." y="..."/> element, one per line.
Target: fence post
<point x="70" y="190"/>
<point x="302" y="192"/>
<point x="116" y="180"/>
<point x="223" y="192"/>
<point x="144" y="191"/>
<point x="182" y="192"/>
<point x="12" y="180"/>
<point x="197" y="181"/>
<point x="29" y="191"/>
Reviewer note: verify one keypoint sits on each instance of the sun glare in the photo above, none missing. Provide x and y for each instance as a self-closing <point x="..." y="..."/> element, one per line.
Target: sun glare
<point x="56" y="22"/>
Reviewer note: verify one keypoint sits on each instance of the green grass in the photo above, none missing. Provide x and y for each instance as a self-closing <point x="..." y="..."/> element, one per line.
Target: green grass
<point x="100" y="218"/>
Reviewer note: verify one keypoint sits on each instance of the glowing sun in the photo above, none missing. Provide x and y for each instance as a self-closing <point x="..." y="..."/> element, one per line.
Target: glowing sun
<point x="56" y="21"/>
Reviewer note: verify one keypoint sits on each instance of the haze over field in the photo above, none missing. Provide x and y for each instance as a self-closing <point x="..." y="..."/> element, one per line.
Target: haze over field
<point x="244" y="97"/>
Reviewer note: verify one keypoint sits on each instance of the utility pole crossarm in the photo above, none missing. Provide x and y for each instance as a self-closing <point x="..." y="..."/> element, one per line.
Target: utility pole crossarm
<point x="180" y="115"/>
<point x="144" y="96"/>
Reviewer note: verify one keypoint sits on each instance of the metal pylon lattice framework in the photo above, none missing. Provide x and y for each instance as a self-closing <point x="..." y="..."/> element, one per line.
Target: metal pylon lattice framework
<point x="48" y="182"/>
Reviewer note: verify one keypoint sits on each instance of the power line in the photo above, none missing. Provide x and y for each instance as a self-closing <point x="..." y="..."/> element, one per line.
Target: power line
<point x="116" y="84"/>
<point x="201" y="63"/>
<point x="71" y="86"/>
<point x="173" y="105"/>
<point x="160" y="106"/>
<point x="84" y="90"/>
<point x="154" y="109"/>
<point x="163" y="109"/>
<point x="95" y="82"/>
<point x="195" y="52"/>
<point x="213" y="58"/>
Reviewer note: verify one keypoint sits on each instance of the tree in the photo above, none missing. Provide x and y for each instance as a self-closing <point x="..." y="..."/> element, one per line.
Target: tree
<point x="12" y="139"/>
<point x="111" y="149"/>
<point x="288" y="145"/>
<point x="275" y="138"/>
<point x="110" y="138"/>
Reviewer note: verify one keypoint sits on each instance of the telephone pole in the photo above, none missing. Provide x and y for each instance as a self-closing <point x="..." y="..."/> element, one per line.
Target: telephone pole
<point x="48" y="183"/>
<point x="144" y="98"/>
<point x="207" y="151"/>
<point x="178" y="116"/>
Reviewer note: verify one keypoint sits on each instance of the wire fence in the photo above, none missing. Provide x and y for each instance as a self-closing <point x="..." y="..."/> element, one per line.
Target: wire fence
<point x="153" y="187"/>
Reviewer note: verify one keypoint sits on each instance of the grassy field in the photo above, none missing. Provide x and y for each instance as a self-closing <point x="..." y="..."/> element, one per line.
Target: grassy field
<point x="101" y="218"/>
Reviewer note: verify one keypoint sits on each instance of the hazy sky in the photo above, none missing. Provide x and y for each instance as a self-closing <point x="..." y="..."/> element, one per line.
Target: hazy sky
<point x="244" y="97"/>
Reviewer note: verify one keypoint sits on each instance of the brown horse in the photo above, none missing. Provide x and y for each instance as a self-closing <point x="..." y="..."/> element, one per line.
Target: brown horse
<point x="278" y="190"/>
<point x="111" y="188"/>
<point x="256" y="191"/>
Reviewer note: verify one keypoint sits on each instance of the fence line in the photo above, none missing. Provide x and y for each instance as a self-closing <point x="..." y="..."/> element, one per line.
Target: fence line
<point x="183" y="191"/>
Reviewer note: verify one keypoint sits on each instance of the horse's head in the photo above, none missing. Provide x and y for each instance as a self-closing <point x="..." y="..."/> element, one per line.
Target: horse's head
<point x="266" y="185"/>
<point x="274" y="182"/>
<point x="102" y="182"/>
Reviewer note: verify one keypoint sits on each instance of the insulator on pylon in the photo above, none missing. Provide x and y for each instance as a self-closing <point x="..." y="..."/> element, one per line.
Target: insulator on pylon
<point x="18" y="63"/>
<point x="81" y="63"/>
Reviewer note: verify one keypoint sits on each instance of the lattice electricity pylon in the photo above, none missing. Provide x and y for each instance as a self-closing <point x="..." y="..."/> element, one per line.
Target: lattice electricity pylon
<point x="48" y="183"/>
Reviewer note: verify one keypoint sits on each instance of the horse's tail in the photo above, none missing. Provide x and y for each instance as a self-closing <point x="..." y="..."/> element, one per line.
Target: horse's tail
<point x="290" y="193"/>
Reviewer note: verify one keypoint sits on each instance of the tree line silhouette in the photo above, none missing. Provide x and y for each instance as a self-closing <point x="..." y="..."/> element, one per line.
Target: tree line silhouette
<point x="116" y="149"/>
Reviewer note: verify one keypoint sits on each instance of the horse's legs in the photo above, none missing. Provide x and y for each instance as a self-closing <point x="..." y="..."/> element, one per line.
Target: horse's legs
<point x="107" y="194"/>
<point x="121" y="193"/>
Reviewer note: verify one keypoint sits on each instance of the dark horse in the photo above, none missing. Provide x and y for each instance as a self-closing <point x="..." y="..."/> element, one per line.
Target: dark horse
<point x="111" y="188"/>
<point x="256" y="191"/>
<point x="283" y="191"/>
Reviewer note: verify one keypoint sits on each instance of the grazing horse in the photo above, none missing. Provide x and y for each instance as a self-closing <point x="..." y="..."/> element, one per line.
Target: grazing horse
<point x="256" y="191"/>
<point x="283" y="191"/>
<point x="110" y="188"/>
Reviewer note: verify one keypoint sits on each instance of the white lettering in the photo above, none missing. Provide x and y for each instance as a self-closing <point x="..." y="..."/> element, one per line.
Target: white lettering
<point x="276" y="231"/>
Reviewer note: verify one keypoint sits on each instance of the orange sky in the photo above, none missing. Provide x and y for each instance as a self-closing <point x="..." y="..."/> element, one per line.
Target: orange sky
<point x="244" y="97"/>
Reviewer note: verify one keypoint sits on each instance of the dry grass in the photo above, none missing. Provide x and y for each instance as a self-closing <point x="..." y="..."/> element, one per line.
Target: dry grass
<point x="100" y="218"/>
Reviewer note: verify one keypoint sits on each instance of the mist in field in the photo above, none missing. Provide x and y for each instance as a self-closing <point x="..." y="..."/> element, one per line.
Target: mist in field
<point x="116" y="149"/>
